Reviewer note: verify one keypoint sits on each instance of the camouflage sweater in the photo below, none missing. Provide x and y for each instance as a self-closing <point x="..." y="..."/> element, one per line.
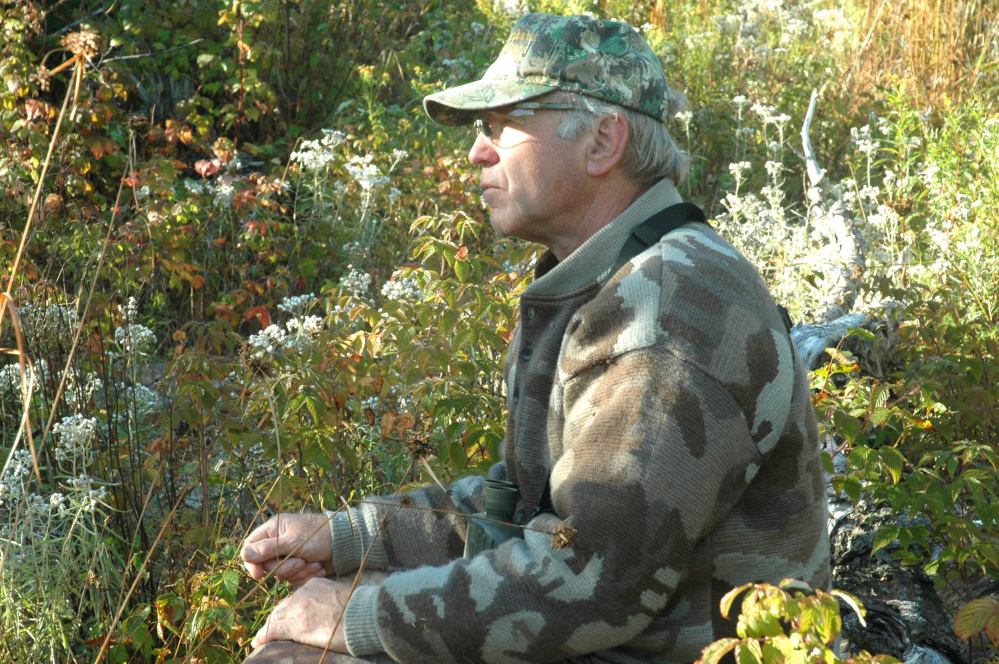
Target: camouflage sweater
<point x="669" y="407"/>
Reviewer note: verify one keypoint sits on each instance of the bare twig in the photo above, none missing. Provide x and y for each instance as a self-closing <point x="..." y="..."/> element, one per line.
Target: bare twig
<point x="815" y="173"/>
<point x="151" y="54"/>
<point x="93" y="14"/>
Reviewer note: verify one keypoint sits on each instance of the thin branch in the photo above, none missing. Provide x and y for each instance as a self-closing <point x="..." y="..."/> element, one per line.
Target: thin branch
<point x="93" y="14"/>
<point x="815" y="173"/>
<point x="152" y="54"/>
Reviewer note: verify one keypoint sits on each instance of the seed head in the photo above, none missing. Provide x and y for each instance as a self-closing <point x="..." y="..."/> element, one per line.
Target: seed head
<point x="85" y="42"/>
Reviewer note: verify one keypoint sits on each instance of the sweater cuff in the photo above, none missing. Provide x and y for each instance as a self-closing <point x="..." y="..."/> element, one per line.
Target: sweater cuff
<point x="360" y="622"/>
<point x="352" y="535"/>
<point x="332" y="517"/>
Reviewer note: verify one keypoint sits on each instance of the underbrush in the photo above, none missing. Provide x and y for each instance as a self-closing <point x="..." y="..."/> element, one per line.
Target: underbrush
<point x="254" y="278"/>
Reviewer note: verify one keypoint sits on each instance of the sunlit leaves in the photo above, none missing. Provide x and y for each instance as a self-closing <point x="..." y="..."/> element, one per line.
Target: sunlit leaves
<point x="784" y="624"/>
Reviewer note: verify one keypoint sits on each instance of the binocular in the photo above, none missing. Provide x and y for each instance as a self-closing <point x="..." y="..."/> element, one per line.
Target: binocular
<point x="487" y="530"/>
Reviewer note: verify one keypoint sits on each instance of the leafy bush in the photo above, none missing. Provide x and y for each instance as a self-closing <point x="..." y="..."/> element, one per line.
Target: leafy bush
<point x="259" y="279"/>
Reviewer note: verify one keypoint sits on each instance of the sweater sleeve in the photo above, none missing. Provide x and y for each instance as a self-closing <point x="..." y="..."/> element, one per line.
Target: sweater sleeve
<point x="420" y="527"/>
<point x="651" y="452"/>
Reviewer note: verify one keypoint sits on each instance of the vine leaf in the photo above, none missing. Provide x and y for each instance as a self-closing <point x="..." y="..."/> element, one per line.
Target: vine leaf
<point x="975" y="616"/>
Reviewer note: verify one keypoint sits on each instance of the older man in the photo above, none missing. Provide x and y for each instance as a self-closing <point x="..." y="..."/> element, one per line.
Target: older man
<point x="660" y="428"/>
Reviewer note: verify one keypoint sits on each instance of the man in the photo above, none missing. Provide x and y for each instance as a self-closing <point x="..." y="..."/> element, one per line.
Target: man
<point x="656" y="405"/>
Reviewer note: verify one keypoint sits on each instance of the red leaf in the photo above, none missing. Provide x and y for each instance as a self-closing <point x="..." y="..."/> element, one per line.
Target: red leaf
<point x="265" y="316"/>
<point x="206" y="168"/>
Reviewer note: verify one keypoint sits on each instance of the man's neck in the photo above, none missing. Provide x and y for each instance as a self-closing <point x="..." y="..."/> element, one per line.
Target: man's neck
<point x="609" y="201"/>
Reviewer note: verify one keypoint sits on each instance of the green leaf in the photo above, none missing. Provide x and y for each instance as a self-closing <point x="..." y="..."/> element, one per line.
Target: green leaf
<point x="893" y="461"/>
<point x="974" y="616"/>
<point x="726" y="601"/>
<point x="714" y="652"/>
<point x="749" y="652"/>
<point x="879" y="396"/>
<point x="763" y="624"/>
<point x="879" y="416"/>
<point x="886" y="535"/>
<point x="853" y="488"/>
<point x="771" y="654"/>
<point x="862" y="333"/>
<point x="229" y="588"/>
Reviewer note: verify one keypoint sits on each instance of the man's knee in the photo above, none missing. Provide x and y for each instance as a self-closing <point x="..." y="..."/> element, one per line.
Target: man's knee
<point x="290" y="652"/>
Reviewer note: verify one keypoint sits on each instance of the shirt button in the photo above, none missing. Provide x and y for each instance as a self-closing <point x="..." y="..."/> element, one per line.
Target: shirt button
<point x="526" y="354"/>
<point x="530" y="312"/>
<point x="516" y="394"/>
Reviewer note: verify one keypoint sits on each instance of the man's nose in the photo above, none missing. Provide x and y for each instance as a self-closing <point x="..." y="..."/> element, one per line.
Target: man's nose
<point x="482" y="152"/>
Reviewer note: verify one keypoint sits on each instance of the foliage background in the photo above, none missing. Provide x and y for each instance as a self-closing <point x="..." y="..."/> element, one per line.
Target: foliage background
<point x="245" y="274"/>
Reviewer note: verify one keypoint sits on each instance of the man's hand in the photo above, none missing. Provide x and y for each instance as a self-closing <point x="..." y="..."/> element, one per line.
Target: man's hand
<point x="296" y="547"/>
<point x="309" y="615"/>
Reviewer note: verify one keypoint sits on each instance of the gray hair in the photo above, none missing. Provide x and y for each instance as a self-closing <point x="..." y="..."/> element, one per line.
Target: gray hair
<point x="651" y="153"/>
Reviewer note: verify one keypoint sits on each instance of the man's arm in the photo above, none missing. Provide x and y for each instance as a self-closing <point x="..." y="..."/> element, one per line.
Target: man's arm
<point x="421" y="527"/>
<point x="426" y="526"/>
<point x="655" y="454"/>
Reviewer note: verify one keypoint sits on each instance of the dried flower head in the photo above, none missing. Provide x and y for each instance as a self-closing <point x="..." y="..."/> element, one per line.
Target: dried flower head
<point x="42" y="77"/>
<point x="139" y="123"/>
<point x="257" y="366"/>
<point x="421" y="446"/>
<point x="563" y="536"/>
<point x="85" y="42"/>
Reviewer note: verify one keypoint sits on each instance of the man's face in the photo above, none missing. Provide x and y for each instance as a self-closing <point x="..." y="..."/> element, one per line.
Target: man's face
<point x="533" y="179"/>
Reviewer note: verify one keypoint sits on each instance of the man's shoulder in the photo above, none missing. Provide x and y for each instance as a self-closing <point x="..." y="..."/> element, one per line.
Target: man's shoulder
<point x="691" y="294"/>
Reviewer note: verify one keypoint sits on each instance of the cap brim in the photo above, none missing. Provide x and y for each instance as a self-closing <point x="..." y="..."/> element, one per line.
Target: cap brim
<point x="460" y="106"/>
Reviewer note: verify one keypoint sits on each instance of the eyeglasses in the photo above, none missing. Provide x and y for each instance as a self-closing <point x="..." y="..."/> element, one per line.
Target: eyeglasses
<point x="492" y="128"/>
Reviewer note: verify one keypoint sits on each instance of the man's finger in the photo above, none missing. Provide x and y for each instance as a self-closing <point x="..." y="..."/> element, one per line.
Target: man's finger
<point x="266" y="531"/>
<point x="260" y="551"/>
<point x="310" y="571"/>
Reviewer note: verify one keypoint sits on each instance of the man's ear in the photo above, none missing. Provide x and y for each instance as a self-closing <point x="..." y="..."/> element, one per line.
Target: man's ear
<point x="606" y="145"/>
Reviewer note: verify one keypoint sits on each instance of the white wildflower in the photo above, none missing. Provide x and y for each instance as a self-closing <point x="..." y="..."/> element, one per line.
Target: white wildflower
<point x="356" y="282"/>
<point x="307" y="326"/>
<point x="135" y="338"/>
<point x="271" y="339"/>
<point x="400" y="287"/>
<point x="318" y="154"/>
<point x="738" y="168"/>
<point x="223" y="194"/>
<point x="298" y="304"/>
<point x="366" y="174"/>
<point x="75" y="433"/>
<point x="48" y="326"/>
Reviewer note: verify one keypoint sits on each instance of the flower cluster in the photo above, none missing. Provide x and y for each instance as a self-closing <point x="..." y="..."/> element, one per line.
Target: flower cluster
<point x="14" y="478"/>
<point x="862" y="140"/>
<point x="48" y="327"/>
<point x="401" y="287"/>
<point x="356" y="282"/>
<point x="297" y="305"/>
<point x="366" y="174"/>
<point x="317" y="155"/>
<point x="143" y="399"/>
<point x="90" y="498"/>
<point x="10" y="379"/>
<point x="75" y="433"/>
<point x="135" y="338"/>
<point x="270" y="340"/>
<point x="224" y="191"/>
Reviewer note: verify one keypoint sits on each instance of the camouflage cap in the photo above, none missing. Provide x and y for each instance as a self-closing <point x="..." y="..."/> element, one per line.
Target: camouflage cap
<point x="608" y="60"/>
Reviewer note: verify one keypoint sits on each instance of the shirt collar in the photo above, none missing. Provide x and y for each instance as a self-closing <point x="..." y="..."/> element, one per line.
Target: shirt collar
<point x="599" y="253"/>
